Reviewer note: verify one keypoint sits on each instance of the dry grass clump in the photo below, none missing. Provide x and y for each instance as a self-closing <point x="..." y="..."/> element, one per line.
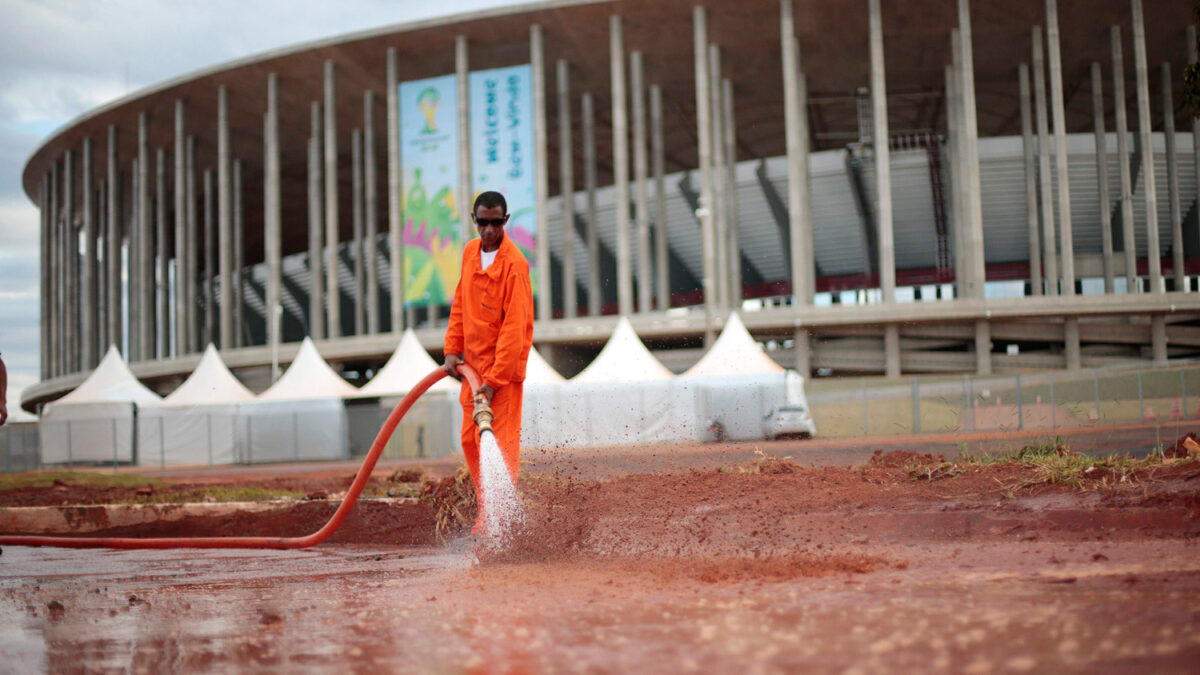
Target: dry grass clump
<point x="453" y="500"/>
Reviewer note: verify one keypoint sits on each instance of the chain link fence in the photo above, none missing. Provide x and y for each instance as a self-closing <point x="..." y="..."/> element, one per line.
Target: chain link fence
<point x="19" y="447"/>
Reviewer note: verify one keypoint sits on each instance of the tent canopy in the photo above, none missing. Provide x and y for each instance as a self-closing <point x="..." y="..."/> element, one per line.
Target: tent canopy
<point x="211" y="383"/>
<point x="308" y="377"/>
<point x="538" y="371"/>
<point x="111" y="381"/>
<point x="623" y="359"/>
<point x="409" y="364"/>
<point x="734" y="353"/>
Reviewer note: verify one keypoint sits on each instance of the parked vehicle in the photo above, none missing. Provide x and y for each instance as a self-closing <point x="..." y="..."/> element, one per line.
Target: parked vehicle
<point x="790" y="421"/>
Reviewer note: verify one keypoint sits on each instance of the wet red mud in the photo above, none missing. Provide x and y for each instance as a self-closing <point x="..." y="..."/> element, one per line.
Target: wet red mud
<point x="762" y="566"/>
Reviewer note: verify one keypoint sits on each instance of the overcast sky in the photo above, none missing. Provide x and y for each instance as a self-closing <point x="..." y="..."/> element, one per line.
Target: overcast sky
<point x="61" y="58"/>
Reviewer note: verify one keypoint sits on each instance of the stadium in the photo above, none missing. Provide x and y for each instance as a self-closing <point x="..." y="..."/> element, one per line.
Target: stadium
<point x="1034" y="206"/>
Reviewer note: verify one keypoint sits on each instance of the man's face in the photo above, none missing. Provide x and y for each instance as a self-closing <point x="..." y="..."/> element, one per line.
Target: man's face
<point x="490" y="220"/>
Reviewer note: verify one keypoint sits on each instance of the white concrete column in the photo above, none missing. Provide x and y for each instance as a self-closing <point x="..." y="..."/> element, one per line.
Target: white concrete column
<point x="717" y="169"/>
<point x="1049" y="238"/>
<point x="731" y="203"/>
<point x="973" y="211"/>
<point x="955" y="150"/>
<point x="224" y="219"/>
<point x="658" y="162"/>
<point x="704" y="143"/>
<point x="191" y="282"/>
<point x="1071" y="344"/>
<point x="88" y="287"/>
<point x="112" y="252"/>
<point x="795" y="136"/>
<point x="1129" y="242"/>
<point x="71" y="266"/>
<point x="162" y="283"/>
<point x="395" y="220"/>
<point x="1153" y="251"/>
<point x="883" y="187"/>
<point x="1106" y="243"/>
<point x="466" y="193"/>
<point x="54" y="268"/>
<point x="181" y="241"/>
<point x="44" y="258"/>
<point x="1058" y="113"/>
<point x="620" y="153"/>
<point x="357" y="248"/>
<point x="541" y="160"/>
<point x="1158" y="338"/>
<point x="370" y="212"/>
<point x="334" y="304"/>
<point x="1031" y="191"/>
<point x="210" y="261"/>
<point x="273" y="230"/>
<point x="566" y="182"/>
<point x="239" y="256"/>
<point x="587" y="114"/>
<point x="316" y="225"/>
<point x="145" y="252"/>
<point x="641" y="174"/>
<point x="1173" y="180"/>
<point x="1194" y="57"/>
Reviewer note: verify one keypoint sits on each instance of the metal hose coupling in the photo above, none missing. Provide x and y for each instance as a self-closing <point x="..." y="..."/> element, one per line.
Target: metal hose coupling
<point x="483" y="413"/>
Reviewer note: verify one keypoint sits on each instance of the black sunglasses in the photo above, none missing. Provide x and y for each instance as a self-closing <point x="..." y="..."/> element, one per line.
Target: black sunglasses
<point x="494" y="222"/>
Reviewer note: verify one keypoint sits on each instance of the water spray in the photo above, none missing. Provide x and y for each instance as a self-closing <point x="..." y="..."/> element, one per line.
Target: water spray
<point x="483" y="412"/>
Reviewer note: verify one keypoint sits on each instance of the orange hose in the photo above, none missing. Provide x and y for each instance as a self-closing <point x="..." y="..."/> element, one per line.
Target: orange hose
<point x="339" y="516"/>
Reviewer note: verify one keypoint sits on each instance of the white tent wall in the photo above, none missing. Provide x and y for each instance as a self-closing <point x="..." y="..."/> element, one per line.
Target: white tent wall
<point x="297" y="430"/>
<point x="610" y="413"/>
<point x="91" y="433"/>
<point x="431" y="427"/>
<point x="169" y="436"/>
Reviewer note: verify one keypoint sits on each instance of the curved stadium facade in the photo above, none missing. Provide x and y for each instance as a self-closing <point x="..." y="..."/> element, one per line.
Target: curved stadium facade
<point x="687" y="160"/>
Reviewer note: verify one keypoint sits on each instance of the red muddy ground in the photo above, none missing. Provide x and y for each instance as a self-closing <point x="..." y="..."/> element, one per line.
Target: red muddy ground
<point x="897" y="564"/>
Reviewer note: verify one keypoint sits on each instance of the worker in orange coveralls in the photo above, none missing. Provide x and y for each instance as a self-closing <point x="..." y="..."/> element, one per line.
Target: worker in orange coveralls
<point x="491" y="329"/>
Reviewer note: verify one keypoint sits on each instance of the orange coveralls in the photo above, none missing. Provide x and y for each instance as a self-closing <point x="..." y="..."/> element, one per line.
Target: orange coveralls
<point x="491" y="325"/>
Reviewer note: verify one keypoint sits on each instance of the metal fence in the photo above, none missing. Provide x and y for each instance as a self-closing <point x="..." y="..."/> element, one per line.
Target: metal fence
<point x="1049" y="401"/>
<point x="19" y="447"/>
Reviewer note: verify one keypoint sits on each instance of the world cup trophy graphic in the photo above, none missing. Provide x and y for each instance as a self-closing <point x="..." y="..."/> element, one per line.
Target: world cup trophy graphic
<point x="428" y="103"/>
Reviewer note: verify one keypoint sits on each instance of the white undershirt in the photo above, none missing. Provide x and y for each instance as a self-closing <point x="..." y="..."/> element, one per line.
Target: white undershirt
<point x="486" y="257"/>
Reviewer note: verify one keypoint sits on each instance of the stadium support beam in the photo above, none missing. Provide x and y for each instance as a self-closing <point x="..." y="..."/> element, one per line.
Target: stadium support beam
<point x="641" y="171"/>
<point x="704" y="142"/>
<point x="566" y="182"/>
<point x="209" y="258"/>
<point x="145" y="284"/>
<point x="316" y="258"/>
<point x="44" y="277"/>
<point x="883" y="187"/>
<point x="974" y="211"/>
<point x="465" y="193"/>
<point x="620" y="144"/>
<point x="587" y="112"/>
<point x="1106" y="245"/>
<point x="239" y="255"/>
<point x="1173" y="180"/>
<point x="796" y="132"/>
<point x="541" y="161"/>
<point x="1031" y="190"/>
<point x="224" y="218"/>
<point x="54" y="340"/>
<point x="662" y="271"/>
<point x="1049" y="240"/>
<point x="370" y="211"/>
<point x="1128" y="240"/>
<point x="273" y="230"/>
<point x="71" y="266"/>
<point x="395" y="221"/>
<point x="1058" y="113"/>
<point x="330" y="263"/>
<point x="162" y="326"/>
<point x="88" y="287"/>
<point x="1194" y="57"/>
<point x="730" y="140"/>
<point x="720" y="222"/>
<point x="1153" y="251"/>
<point x="112" y="252"/>
<point x="954" y="150"/>
<point x="181" y="241"/>
<point x="193" y="246"/>
<point x="356" y="218"/>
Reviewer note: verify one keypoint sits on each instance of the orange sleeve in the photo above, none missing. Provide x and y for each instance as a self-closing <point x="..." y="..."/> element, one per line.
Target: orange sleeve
<point x="516" y="331"/>
<point x="453" y="342"/>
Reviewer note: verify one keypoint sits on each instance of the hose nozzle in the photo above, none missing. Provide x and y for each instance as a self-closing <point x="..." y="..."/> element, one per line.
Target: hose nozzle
<point x="483" y="413"/>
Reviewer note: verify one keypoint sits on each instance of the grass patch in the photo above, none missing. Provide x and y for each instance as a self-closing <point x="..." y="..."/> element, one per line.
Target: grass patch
<point x="18" y="481"/>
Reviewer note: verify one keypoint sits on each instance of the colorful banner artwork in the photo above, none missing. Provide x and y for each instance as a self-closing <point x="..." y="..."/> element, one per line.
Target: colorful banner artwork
<point x="429" y="159"/>
<point x="502" y="159"/>
<point x="502" y="152"/>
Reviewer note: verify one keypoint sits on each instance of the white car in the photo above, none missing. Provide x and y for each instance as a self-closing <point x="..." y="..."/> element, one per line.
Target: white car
<point x="790" y="421"/>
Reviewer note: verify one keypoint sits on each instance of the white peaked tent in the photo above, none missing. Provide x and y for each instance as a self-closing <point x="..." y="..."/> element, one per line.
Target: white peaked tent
<point x="196" y="423"/>
<point x="734" y="353"/>
<point x="96" y="421"/>
<point x="538" y="371"/>
<point x="430" y="427"/>
<point x="739" y="385"/>
<point x="624" y="396"/>
<point x="300" y="417"/>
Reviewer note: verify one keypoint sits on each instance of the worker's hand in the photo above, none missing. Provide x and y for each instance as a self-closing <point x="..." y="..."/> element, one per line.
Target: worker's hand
<point x="486" y="391"/>
<point x="451" y="365"/>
